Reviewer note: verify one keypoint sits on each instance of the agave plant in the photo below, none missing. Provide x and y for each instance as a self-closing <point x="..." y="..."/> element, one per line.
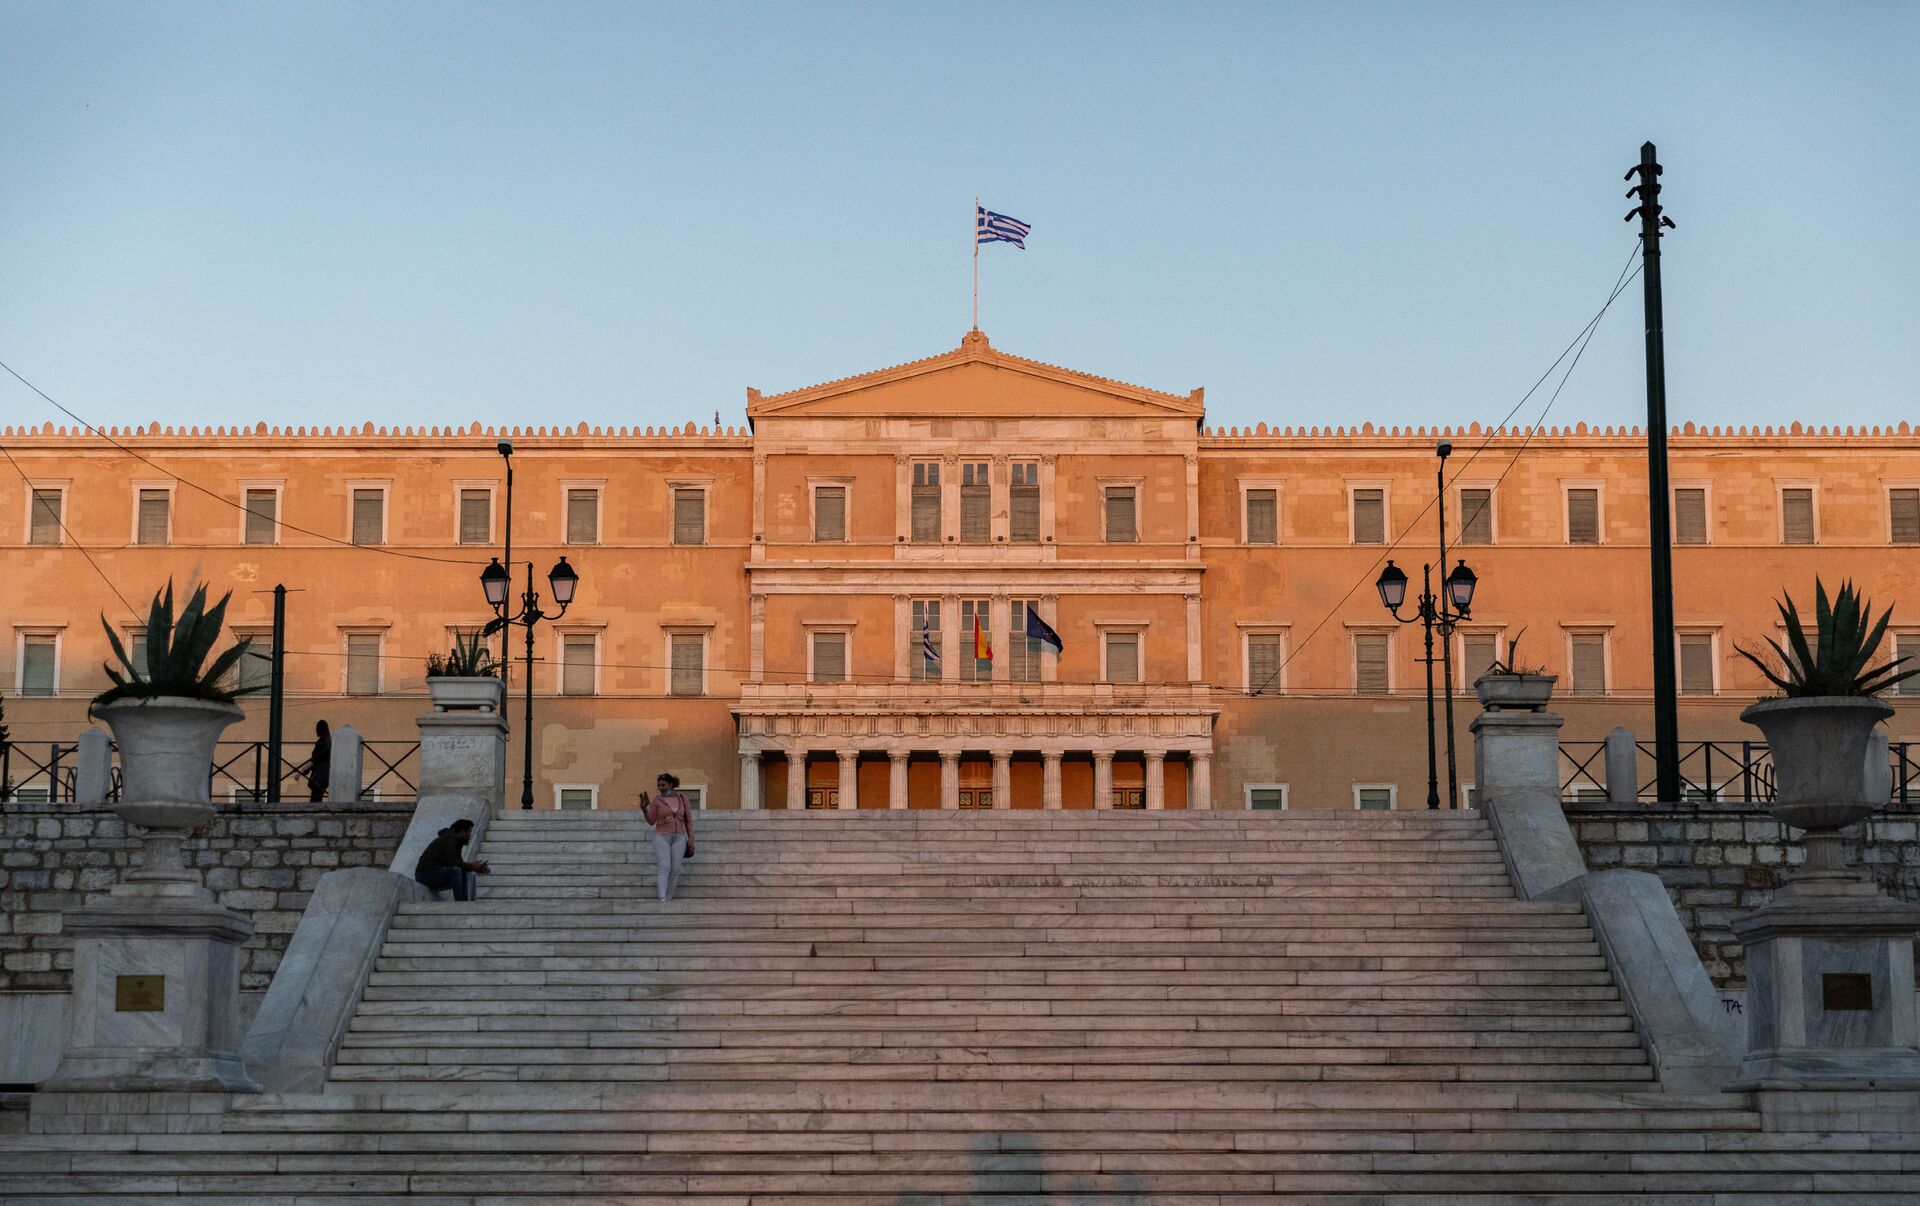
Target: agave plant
<point x="176" y="651"/>
<point x="467" y="659"/>
<point x="1840" y="661"/>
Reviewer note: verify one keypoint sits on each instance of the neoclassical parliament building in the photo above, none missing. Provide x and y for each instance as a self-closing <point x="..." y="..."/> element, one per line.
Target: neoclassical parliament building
<point x="792" y="615"/>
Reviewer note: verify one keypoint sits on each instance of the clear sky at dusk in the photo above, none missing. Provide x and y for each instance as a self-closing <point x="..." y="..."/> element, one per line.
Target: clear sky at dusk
<point x="627" y="213"/>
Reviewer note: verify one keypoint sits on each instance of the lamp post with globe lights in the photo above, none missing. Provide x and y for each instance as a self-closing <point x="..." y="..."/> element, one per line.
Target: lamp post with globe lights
<point x="495" y="580"/>
<point x="1433" y="613"/>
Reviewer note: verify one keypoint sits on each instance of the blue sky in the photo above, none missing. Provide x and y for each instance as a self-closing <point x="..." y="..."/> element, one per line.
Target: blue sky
<point x="627" y="213"/>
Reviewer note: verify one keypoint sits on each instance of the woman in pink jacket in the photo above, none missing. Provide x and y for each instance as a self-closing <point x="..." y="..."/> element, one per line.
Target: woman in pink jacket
<point x="672" y="820"/>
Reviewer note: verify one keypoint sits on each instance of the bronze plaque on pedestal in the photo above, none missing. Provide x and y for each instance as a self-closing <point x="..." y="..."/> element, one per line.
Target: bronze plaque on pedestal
<point x="1846" y="991"/>
<point x="139" y="994"/>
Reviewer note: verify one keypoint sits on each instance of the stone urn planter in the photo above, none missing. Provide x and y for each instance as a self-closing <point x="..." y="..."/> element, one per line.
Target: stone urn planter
<point x="466" y="693"/>
<point x="1515" y="692"/>
<point x="166" y="758"/>
<point x="1819" y="750"/>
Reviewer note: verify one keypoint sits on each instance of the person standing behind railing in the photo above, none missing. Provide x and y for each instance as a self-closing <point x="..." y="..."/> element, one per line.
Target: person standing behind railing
<point x="320" y="766"/>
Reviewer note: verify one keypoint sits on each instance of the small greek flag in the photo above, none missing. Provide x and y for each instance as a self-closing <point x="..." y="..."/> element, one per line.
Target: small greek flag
<point x="989" y="227"/>
<point x="926" y="646"/>
<point x="1041" y="631"/>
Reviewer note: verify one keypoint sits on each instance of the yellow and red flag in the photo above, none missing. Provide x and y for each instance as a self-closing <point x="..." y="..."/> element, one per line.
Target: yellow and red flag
<point x="982" y="651"/>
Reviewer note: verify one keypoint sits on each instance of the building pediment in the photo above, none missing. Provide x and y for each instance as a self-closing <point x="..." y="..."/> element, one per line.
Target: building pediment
<point x="975" y="380"/>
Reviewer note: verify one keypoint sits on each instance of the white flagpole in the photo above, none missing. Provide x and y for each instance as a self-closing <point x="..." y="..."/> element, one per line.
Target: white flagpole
<point x="976" y="263"/>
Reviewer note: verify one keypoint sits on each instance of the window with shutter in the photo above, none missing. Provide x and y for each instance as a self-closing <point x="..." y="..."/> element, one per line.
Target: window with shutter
<point x="1123" y="657"/>
<point x="1696" y="663"/>
<point x="922" y="666"/>
<point x="1583" y="515"/>
<point x="583" y="515"/>
<point x="476" y="516"/>
<point x="1370" y="675"/>
<point x="1478" y="651"/>
<point x="829" y="657"/>
<point x="369" y="516"/>
<point x="1476" y="516"/>
<point x="1690" y="515"/>
<point x="1796" y="515"/>
<point x="45" y="525"/>
<point x="576" y="799"/>
<point x="1263" y="516"/>
<point x="1373" y="799"/>
<point x="363" y="663"/>
<point x="1907" y="645"/>
<point x="689" y="515"/>
<point x="926" y="502"/>
<point x="689" y="664"/>
<point x="1263" y="663"/>
<point x="263" y="507"/>
<point x="1121" y="525"/>
<point x="577" y="656"/>
<point x="1266" y="797"/>
<point x="1903" y="514"/>
<point x="1370" y="516"/>
<point x="976" y="504"/>
<point x="975" y="612"/>
<point x="1023" y="503"/>
<point x="135" y="641"/>
<point x="1023" y="652"/>
<point x="255" y="667"/>
<point x="39" y="664"/>
<point x="154" y="505"/>
<point x="829" y="513"/>
<point x="1589" y="664"/>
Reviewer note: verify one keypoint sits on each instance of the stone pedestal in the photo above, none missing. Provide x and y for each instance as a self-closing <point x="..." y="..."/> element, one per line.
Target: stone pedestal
<point x="1830" y="1002"/>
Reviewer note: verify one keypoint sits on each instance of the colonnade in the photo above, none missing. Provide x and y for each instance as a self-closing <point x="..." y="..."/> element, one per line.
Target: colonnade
<point x="1199" y="777"/>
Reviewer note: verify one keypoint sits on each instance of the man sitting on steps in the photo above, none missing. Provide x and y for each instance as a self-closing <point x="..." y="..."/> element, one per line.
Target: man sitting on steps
<point x="440" y="866"/>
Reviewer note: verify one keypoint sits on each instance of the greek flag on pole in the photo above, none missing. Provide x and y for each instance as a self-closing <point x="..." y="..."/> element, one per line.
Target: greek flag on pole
<point x="926" y="646"/>
<point x="1042" y="631"/>
<point x="989" y="227"/>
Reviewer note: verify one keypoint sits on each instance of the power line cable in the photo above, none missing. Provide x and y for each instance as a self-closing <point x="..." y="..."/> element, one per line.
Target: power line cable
<point x="61" y="519"/>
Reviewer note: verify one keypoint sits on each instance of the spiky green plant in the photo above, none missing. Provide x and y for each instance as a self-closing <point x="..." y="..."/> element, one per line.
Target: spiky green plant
<point x="467" y="659"/>
<point x="1840" y="660"/>
<point x="176" y="650"/>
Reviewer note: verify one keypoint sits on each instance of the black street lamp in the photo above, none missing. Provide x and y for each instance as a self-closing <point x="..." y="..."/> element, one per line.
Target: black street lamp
<point x="496" y="581"/>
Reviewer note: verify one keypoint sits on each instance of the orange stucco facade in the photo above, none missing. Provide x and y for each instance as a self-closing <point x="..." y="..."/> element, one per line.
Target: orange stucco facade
<point x="790" y="572"/>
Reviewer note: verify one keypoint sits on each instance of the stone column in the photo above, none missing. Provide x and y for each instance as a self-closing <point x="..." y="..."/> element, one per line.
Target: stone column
<point x="796" y="780"/>
<point x="344" y="768"/>
<point x="949" y="779"/>
<point x="750" y="780"/>
<point x="95" y="774"/>
<point x="1103" y="778"/>
<point x="1000" y="634"/>
<point x="849" y="778"/>
<point x="1156" y="779"/>
<point x="1200" y="779"/>
<point x="1516" y="764"/>
<point x="1003" y="778"/>
<point x="1623" y="767"/>
<point x="897" y="777"/>
<point x="1050" y="778"/>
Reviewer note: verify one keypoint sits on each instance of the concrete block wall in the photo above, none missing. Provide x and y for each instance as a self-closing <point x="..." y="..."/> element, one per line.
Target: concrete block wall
<point x="1719" y="861"/>
<point x="261" y="861"/>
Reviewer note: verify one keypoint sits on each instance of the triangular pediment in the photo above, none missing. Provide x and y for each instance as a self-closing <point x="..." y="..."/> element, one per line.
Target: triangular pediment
<point x="975" y="380"/>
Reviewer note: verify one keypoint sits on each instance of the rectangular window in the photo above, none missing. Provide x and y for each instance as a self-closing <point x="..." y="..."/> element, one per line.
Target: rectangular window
<point x="1583" y="515"/>
<point x="369" y="516"/>
<point x="1121" y="517"/>
<point x="1269" y="796"/>
<point x="1589" y="663"/>
<point x="923" y="643"/>
<point x="39" y="664"/>
<point x="1263" y="663"/>
<point x="1476" y="516"/>
<point x="1123" y="657"/>
<point x="154" y="506"/>
<point x="975" y="612"/>
<point x="1373" y="799"/>
<point x="476" y="516"/>
<point x="1906" y="645"/>
<point x="1696" y="663"/>
<point x="44" y="528"/>
<point x="577" y="656"/>
<point x="689" y="664"/>
<point x="1796" y="515"/>
<point x="1903" y="515"/>
<point x="976" y="504"/>
<point x="829" y="513"/>
<point x="1023" y="503"/>
<point x="829" y="657"/>
<point x="926" y="502"/>
<point x="363" y="663"/>
<point x="1370" y="675"/>
<point x="1023" y="652"/>
<point x="255" y="667"/>
<point x="1690" y="515"/>
<point x="1263" y="516"/>
<point x="689" y="515"/>
<point x="696" y="797"/>
<point x="583" y="515"/>
<point x="136" y="644"/>
<point x="1370" y="516"/>
<point x="575" y="799"/>
<point x="1478" y="650"/>
<point x="263" y="517"/>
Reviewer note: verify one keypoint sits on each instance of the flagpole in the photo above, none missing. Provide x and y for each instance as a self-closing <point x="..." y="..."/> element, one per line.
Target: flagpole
<point x="976" y="263"/>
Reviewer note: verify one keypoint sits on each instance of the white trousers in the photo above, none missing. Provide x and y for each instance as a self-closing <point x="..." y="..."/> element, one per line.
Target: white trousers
<point x="668" y="854"/>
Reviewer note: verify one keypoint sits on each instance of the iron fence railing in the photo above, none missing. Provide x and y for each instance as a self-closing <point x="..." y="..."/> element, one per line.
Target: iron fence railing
<point x="48" y="772"/>
<point x="1728" y="772"/>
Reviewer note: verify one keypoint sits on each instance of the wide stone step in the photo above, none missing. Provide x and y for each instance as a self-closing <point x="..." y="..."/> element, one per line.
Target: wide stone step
<point x="956" y="910"/>
<point x="612" y="1022"/>
<point x="545" y="1037"/>
<point x="1224" y="1012"/>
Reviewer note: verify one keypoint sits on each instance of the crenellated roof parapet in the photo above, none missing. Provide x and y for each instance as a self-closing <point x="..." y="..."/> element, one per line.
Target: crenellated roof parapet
<point x="1377" y="435"/>
<point x="365" y="434"/>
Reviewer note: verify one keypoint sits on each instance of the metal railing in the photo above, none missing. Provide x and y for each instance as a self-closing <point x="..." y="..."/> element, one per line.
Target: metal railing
<point x="48" y="772"/>
<point x="1724" y="772"/>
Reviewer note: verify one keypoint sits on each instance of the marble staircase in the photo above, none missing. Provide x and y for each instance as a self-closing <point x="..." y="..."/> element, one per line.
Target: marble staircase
<point x="1015" y="1006"/>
